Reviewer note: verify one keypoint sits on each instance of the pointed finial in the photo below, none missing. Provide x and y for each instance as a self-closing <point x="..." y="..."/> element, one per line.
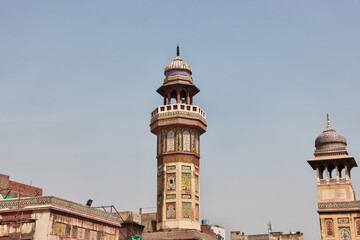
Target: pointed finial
<point x="178" y="50"/>
<point x="328" y="119"/>
<point x="328" y="126"/>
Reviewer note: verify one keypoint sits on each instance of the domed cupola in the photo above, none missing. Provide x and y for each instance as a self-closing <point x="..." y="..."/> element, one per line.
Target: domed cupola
<point x="178" y="82"/>
<point x="178" y="66"/>
<point x="330" y="142"/>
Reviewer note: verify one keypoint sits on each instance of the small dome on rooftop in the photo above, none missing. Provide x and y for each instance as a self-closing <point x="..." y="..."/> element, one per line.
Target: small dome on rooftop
<point x="177" y="64"/>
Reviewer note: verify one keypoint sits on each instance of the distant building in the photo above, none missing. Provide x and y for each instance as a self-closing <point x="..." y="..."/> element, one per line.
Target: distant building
<point x="338" y="209"/>
<point x="26" y="214"/>
<point x="43" y="218"/>
<point x="237" y="235"/>
<point x="219" y="231"/>
<point x="9" y="188"/>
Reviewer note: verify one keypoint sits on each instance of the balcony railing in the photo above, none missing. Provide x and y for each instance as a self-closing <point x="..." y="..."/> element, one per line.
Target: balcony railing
<point x="178" y="107"/>
<point x="332" y="180"/>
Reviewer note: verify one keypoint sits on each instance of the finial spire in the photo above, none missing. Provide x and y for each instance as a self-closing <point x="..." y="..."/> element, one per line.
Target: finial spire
<point x="328" y="126"/>
<point x="178" y="50"/>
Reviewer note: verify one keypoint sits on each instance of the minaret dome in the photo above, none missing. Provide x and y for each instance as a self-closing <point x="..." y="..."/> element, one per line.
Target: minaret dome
<point x="330" y="141"/>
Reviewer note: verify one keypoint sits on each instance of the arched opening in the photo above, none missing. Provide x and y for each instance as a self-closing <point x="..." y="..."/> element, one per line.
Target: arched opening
<point x="341" y="169"/>
<point x="331" y="171"/>
<point x="182" y="97"/>
<point x="321" y="172"/>
<point x="173" y="96"/>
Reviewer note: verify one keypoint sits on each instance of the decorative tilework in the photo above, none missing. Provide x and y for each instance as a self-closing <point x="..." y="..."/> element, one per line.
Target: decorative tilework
<point x="193" y="140"/>
<point x="186" y="141"/>
<point x="159" y="143"/>
<point x="58" y="203"/>
<point x="344" y="234"/>
<point x="197" y="144"/>
<point x="196" y="183"/>
<point x="185" y="167"/>
<point x="171" y="181"/>
<point x="163" y="142"/>
<point x="160" y="183"/>
<point x="329" y="227"/>
<point x="170" y="168"/>
<point x="60" y="229"/>
<point x="186" y="196"/>
<point x="178" y="140"/>
<point x="343" y="220"/>
<point x="352" y="204"/>
<point x="170" y="196"/>
<point x="93" y="235"/>
<point x="81" y="233"/>
<point x="186" y="181"/>
<point x="170" y="141"/>
<point x="170" y="210"/>
<point x="197" y="212"/>
<point x="110" y="237"/>
<point x="186" y="210"/>
<point x="357" y="226"/>
<point x="188" y="234"/>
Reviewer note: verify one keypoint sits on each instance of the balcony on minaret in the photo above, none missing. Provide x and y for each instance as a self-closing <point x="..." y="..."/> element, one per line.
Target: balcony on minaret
<point x="184" y="111"/>
<point x="334" y="171"/>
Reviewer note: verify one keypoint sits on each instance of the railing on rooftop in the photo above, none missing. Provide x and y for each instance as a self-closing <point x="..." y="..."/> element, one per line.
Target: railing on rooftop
<point x="178" y="107"/>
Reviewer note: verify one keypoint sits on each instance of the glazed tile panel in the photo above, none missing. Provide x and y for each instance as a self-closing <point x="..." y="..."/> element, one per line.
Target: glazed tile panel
<point x="352" y="204"/>
<point x="60" y="203"/>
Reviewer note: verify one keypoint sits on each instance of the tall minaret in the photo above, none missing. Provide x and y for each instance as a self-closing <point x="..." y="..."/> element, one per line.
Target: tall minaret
<point x="337" y="207"/>
<point x="178" y="127"/>
<point x="332" y="164"/>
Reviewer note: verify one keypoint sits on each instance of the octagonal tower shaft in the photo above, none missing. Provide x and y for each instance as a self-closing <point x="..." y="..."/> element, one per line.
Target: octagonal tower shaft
<point x="178" y="127"/>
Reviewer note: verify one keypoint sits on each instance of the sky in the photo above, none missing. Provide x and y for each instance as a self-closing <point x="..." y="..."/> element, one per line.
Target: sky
<point x="78" y="82"/>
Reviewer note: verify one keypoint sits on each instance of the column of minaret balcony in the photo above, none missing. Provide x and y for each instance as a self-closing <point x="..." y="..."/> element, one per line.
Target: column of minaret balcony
<point x="329" y="177"/>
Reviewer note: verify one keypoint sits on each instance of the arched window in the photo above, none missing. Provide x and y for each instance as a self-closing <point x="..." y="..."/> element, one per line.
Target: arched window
<point x="159" y="143"/>
<point x="170" y="141"/>
<point x="193" y="142"/>
<point x="178" y="140"/>
<point x="186" y="141"/>
<point x="197" y="144"/>
<point x="163" y="142"/>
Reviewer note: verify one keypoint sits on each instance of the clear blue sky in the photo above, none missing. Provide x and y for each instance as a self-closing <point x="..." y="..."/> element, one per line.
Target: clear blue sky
<point x="78" y="81"/>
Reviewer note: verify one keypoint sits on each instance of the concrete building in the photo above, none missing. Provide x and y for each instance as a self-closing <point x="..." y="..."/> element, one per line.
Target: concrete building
<point x="338" y="209"/>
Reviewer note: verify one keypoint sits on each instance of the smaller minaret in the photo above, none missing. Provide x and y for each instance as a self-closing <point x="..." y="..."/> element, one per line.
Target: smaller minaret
<point x="333" y="165"/>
